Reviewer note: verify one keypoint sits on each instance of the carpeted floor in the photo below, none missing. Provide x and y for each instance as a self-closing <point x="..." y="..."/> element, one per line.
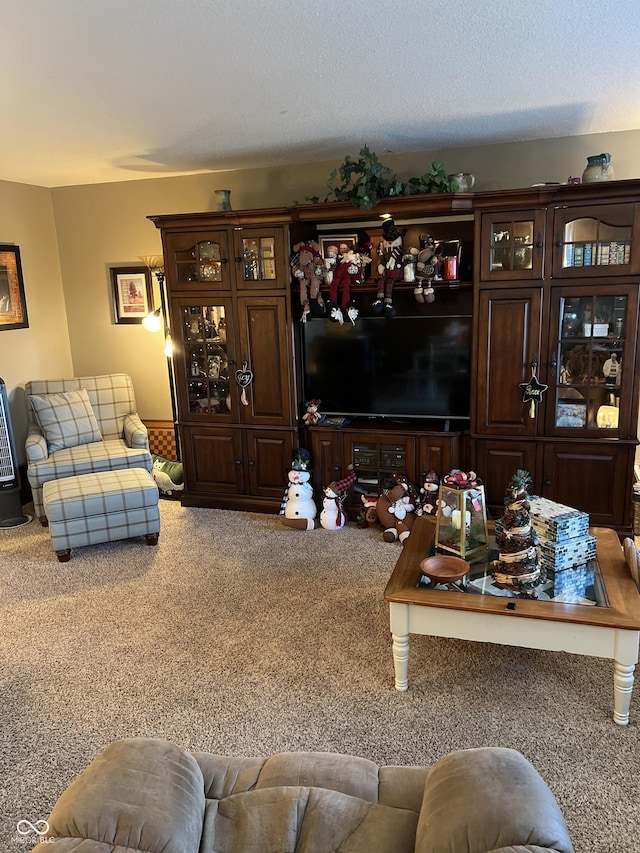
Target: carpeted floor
<point x="239" y="636"/>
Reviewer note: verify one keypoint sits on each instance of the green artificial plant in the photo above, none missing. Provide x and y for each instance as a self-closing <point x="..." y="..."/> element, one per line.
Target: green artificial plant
<point x="435" y="180"/>
<point x="363" y="182"/>
<point x="366" y="181"/>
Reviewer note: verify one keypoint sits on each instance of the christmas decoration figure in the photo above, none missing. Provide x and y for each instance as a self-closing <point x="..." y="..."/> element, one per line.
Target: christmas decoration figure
<point x="333" y="516"/>
<point x="307" y="267"/>
<point x="426" y="269"/>
<point x="298" y="506"/>
<point x="395" y="509"/>
<point x="518" y="564"/>
<point x="348" y="272"/>
<point x="389" y="268"/>
<point x="312" y="416"/>
<point x="428" y="501"/>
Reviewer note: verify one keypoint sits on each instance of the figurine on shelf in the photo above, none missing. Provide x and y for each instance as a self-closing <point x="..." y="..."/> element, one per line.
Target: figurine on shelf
<point x="389" y="268"/>
<point x="312" y="416"/>
<point x="426" y="269"/>
<point x="307" y="267"/>
<point x="347" y="273"/>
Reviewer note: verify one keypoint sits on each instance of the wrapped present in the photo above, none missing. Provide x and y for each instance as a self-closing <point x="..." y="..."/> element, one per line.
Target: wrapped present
<point x="554" y="521"/>
<point x="574" y="583"/>
<point x="556" y="556"/>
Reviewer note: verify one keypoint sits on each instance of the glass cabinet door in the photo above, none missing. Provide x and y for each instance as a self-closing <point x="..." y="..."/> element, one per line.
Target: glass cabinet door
<point x="258" y="253"/>
<point x="587" y="380"/>
<point x="597" y="240"/>
<point x="205" y="358"/>
<point x="512" y="245"/>
<point x="198" y="261"/>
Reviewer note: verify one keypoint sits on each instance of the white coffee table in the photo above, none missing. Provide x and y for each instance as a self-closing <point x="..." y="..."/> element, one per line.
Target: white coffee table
<point x="608" y="631"/>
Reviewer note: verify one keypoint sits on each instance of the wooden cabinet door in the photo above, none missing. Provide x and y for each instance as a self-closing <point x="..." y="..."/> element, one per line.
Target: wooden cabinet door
<point x="512" y="245"/>
<point x="267" y="460"/>
<point x="264" y="346"/>
<point x="439" y="453"/>
<point x="592" y="355"/>
<point x="326" y="458"/>
<point x="497" y="461"/>
<point x="213" y="460"/>
<point x="259" y="259"/>
<point x="197" y="261"/>
<point x="594" y="478"/>
<point x="204" y="358"/>
<point x="596" y="240"/>
<point x="508" y="340"/>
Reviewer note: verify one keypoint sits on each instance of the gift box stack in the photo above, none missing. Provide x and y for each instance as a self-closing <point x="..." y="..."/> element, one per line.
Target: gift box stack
<point x="564" y="535"/>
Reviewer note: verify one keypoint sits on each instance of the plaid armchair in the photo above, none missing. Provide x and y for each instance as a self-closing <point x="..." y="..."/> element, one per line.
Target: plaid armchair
<point x="81" y="426"/>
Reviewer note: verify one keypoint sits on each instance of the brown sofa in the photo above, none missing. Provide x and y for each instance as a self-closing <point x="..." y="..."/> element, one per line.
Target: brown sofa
<point x="149" y="795"/>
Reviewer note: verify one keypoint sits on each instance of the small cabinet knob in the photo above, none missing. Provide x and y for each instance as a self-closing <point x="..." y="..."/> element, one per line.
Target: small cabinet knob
<point x="237" y="461"/>
<point x="251" y="463"/>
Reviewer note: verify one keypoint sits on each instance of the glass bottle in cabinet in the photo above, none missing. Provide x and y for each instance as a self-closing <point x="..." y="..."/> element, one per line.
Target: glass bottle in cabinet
<point x="206" y="359"/>
<point x="512" y="245"/>
<point x="587" y="365"/>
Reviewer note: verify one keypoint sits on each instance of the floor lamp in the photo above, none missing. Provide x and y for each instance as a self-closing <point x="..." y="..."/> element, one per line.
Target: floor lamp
<point x="153" y="322"/>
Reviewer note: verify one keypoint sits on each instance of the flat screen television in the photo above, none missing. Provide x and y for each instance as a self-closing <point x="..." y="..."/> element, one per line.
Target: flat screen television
<point x="417" y="365"/>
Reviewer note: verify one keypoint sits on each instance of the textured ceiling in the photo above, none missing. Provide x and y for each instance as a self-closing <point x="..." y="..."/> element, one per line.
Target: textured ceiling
<point x="126" y="89"/>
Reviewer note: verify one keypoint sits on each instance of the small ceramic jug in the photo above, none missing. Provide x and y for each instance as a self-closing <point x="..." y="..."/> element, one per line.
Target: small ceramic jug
<point x="464" y="180"/>
<point x="599" y="168"/>
<point x="224" y="200"/>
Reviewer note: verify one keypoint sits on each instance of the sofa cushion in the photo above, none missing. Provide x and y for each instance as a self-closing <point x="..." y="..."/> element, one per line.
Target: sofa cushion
<point x="489" y="799"/>
<point x="67" y="419"/>
<point x="138" y="794"/>
<point x="307" y="820"/>
<point x="348" y="774"/>
<point x="88" y="458"/>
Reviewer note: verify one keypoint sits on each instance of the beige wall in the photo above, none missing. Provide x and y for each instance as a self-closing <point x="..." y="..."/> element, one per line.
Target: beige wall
<point x="26" y="220"/>
<point x="102" y="225"/>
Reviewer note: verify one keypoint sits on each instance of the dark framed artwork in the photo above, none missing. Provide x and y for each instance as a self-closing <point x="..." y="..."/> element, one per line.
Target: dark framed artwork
<point x="333" y="244"/>
<point x="132" y="294"/>
<point x="13" y="306"/>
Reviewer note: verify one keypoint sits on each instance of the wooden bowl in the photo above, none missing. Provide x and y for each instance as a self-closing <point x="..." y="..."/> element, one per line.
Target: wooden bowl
<point x="442" y="568"/>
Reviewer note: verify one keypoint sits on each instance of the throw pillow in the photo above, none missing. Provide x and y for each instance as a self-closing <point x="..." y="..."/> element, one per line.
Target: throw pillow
<point x="66" y="419"/>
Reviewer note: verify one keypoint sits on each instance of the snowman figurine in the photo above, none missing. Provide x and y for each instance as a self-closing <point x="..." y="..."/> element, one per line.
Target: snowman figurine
<point x="333" y="516"/>
<point x="298" y="507"/>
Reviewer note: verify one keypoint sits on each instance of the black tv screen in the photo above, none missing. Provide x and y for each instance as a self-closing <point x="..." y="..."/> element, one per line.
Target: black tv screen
<point x="416" y="365"/>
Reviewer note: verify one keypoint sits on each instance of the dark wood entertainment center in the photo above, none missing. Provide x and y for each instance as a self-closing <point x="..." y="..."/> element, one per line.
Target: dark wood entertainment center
<point x="555" y="277"/>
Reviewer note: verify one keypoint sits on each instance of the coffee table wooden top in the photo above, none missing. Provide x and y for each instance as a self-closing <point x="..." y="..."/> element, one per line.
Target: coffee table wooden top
<point x="624" y="601"/>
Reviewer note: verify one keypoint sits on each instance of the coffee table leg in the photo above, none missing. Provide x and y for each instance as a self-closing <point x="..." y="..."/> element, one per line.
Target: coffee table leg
<point x="623" y="687"/>
<point x="401" y="660"/>
<point x="624" y="664"/>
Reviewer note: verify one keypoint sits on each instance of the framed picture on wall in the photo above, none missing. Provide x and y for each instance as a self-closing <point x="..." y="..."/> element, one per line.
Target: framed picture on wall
<point x="13" y="307"/>
<point x="132" y="294"/>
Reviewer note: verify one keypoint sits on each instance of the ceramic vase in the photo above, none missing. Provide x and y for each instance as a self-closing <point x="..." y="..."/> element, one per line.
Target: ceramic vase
<point x="224" y="200"/>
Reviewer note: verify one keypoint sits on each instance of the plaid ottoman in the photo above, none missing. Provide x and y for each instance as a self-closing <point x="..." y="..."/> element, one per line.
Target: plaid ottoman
<point x="103" y="507"/>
